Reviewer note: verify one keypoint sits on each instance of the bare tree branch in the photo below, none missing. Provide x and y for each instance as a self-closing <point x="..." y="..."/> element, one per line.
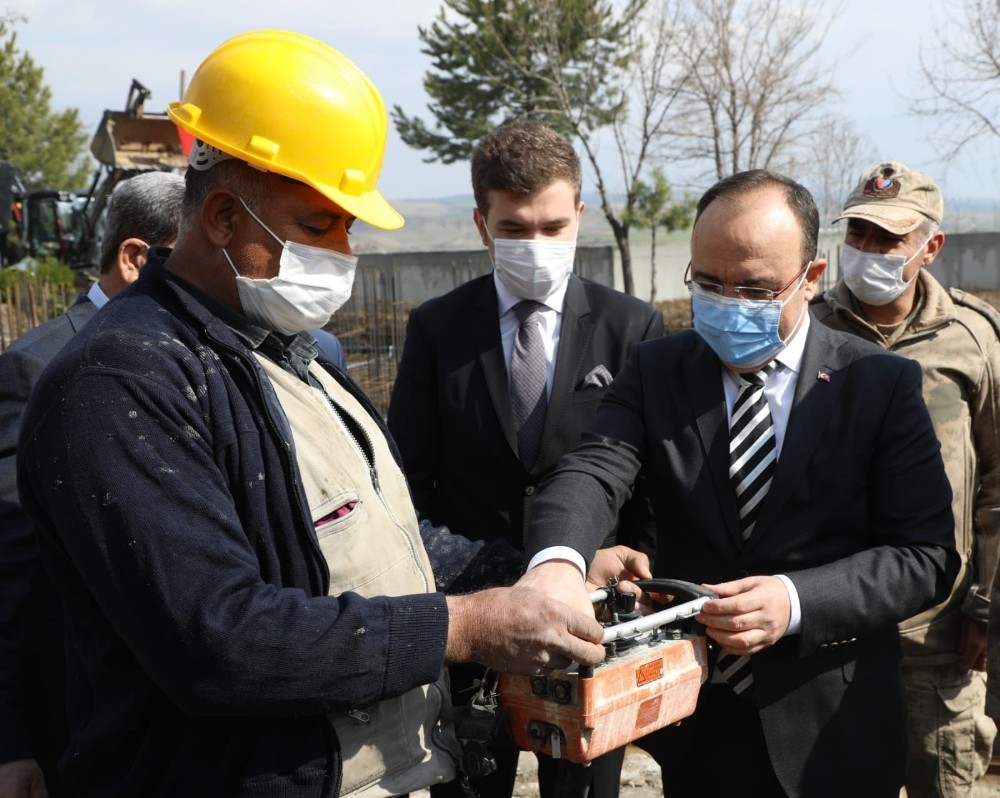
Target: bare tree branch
<point x="961" y="74"/>
<point x="757" y="87"/>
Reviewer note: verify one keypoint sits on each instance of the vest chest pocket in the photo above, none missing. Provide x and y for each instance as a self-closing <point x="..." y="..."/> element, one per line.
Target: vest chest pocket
<point x="336" y="514"/>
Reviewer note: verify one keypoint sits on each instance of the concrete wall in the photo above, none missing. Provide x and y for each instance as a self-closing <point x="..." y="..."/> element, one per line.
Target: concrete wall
<point x="969" y="261"/>
<point x="672" y="257"/>
<point x="413" y="277"/>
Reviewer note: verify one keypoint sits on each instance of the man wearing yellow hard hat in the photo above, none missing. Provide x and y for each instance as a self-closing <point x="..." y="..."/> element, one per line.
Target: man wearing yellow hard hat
<point x="252" y="604"/>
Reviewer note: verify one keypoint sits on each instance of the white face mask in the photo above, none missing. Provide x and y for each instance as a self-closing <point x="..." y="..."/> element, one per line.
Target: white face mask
<point x="532" y="268"/>
<point x="312" y="284"/>
<point x="873" y="278"/>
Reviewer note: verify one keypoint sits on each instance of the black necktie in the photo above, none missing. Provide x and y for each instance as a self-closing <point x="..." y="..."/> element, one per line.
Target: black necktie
<point x="527" y="381"/>
<point x="752" y="456"/>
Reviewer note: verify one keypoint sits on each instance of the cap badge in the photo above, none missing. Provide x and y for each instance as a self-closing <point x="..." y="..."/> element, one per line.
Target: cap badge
<point x="882" y="185"/>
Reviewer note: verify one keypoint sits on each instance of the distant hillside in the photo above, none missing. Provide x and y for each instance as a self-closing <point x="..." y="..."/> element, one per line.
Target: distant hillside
<point x="444" y="224"/>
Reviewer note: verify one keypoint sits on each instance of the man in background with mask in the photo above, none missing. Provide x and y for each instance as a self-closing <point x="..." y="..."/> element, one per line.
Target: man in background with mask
<point x="887" y="295"/>
<point x="501" y="376"/>
<point x="251" y="604"/>
<point x="797" y="474"/>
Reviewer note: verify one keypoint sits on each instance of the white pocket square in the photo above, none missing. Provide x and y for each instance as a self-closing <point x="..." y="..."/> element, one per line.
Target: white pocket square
<point x="597" y="377"/>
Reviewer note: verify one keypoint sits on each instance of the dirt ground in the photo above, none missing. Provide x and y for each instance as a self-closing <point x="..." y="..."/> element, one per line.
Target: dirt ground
<point x="641" y="778"/>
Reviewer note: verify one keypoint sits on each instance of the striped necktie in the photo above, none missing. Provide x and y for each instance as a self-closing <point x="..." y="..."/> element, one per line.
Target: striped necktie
<point x="752" y="457"/>
<point x="528" y="399"/>
<point x="752" y="453"/>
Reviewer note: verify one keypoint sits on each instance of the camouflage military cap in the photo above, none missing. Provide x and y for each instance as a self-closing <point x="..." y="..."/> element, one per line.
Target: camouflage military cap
<point x="894" y="197"/>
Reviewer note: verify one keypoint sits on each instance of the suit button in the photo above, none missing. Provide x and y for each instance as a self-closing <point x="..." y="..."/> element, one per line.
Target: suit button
<point x="529" y="491"/>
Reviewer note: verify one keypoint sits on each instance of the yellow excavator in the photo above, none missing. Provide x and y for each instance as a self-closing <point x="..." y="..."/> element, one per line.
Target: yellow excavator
<point x="68" y="224"/>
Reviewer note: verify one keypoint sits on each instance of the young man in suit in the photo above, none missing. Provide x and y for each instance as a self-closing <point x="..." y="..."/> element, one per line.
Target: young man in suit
<point x="798" y="475"/>
<point x="476" y="424"/>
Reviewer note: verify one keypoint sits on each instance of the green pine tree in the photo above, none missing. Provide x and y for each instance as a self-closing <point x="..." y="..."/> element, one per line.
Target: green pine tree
<point x="654" y="208"/>
<point x="48" y="147"/>
<point x="496" y="61"/>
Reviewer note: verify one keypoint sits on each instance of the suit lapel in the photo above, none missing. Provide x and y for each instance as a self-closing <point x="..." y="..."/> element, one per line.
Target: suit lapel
<point x="575" y="332"/>
<point x="80" y="312"/>
<point x="816" y="393"/>
<point x="486" y="331"/>
<point x="703" y="383"/>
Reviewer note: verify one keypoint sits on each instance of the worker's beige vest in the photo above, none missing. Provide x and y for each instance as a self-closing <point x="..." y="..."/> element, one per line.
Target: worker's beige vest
<point x="402" y="744"/>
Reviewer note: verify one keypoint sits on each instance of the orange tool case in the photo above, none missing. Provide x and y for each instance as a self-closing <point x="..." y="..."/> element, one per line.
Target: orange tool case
<point x="650" y="678"/>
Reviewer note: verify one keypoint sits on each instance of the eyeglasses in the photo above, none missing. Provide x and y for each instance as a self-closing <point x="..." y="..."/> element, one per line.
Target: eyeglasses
<point x="745" y="292"/>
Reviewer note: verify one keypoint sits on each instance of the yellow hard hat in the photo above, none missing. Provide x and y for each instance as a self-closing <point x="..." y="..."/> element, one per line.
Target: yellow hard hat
<point x="290" y="104"/>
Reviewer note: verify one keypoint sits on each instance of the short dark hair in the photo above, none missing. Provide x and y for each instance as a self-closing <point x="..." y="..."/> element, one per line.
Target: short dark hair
<point x="796" y="195"/>
<point x="245" y="180"/>
<point x="522" y="158"/>
<point x="146" y="206"/>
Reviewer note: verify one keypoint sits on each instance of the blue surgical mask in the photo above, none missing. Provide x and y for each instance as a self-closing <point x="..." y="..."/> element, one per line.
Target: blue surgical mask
<point x="743" y="333"/>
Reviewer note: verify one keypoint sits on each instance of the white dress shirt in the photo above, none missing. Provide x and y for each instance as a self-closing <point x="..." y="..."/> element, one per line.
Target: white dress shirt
<point x="97" y="296"/>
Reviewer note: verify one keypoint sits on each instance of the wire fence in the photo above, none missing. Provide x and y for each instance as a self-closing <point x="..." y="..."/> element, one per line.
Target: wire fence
<point x="25" y="304"/>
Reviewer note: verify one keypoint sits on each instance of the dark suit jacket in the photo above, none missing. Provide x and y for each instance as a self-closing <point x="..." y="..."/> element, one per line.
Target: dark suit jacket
<point x="858" y="516"/>
<point x="450" y="410"/>
<point x="32" y="714"/>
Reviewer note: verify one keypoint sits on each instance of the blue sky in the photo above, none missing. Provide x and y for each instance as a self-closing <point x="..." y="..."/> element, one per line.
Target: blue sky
<point x="91" y="51"/>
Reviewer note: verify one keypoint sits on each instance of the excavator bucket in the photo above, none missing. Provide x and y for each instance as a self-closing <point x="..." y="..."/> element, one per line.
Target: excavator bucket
<point x="138" y="142"/>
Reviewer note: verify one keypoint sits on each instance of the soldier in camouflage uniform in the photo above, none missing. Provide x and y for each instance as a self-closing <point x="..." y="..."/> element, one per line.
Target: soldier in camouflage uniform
<point x="886" y="295"/>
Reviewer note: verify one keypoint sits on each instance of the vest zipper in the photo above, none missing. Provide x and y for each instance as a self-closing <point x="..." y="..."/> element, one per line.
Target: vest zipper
<point x="369" y="457"/>
<point x="367" y="453"/>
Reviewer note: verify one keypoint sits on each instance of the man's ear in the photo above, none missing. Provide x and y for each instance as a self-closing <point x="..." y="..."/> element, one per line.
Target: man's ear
<point x="219" y="216"/>
<point x="480" y="222"/>
<point x="132" y="253"/>
<point x="934" y="245"/>
<point x="813" y="273"/>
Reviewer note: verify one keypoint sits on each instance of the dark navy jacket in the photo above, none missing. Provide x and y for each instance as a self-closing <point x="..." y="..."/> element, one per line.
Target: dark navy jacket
<point x="203" y="651"/>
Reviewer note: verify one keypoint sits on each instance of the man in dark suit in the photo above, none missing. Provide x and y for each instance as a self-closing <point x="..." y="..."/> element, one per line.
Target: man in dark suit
<point x="798" y="475"/>
<point x="455" y="405"/>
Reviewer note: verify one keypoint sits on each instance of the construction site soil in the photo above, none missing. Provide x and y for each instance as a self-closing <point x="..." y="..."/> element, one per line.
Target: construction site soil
<point x="641" y="778"/>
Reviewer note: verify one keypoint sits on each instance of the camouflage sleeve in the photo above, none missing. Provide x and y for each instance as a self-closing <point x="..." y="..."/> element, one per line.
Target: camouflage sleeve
<point x="985" y="407"/>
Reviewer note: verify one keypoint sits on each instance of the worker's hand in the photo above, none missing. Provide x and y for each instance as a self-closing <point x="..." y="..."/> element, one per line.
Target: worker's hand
<point x="972" y="645"/>
<point x="749" y="614"/>
<point x="521" y="630"/>
<point x="22" y="779"/>
<point x="617" y="561"/>
<point x="561" y="580"/>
